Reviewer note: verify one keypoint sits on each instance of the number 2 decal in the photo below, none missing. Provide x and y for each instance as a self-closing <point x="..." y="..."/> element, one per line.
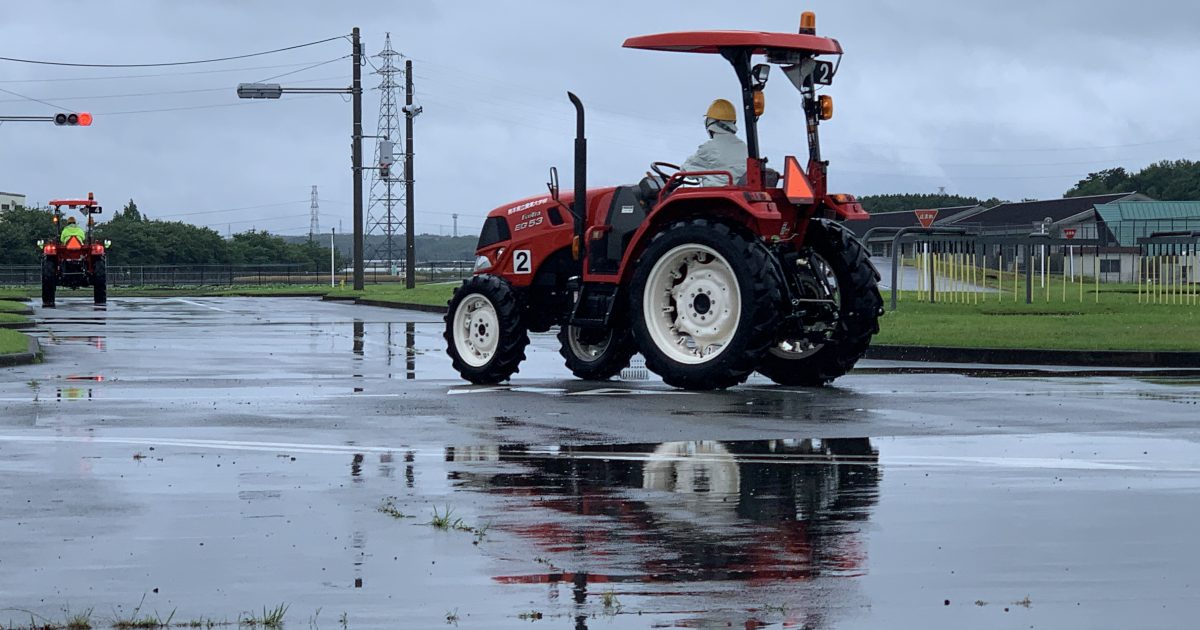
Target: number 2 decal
<point x="823" y="73"/>
<point x="521" y="260"/>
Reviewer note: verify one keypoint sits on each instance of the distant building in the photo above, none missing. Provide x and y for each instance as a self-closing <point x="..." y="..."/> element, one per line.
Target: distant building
<point x="8" y="200"/>
<point x="881" y="240"/>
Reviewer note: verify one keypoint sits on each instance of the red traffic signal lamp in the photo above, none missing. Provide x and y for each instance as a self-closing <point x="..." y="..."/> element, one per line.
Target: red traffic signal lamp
<point x="72" y="119"/>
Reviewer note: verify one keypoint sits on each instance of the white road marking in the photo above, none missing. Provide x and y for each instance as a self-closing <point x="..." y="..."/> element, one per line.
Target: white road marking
<point x="211" y="308"/>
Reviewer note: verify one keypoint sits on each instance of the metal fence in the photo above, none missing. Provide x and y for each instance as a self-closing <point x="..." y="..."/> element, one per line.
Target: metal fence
<point x="957" y="265"/>
<point x="242" y="275"/>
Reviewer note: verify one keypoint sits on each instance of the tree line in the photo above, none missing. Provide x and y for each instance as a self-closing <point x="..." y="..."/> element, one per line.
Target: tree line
<point x="139" y="240"/>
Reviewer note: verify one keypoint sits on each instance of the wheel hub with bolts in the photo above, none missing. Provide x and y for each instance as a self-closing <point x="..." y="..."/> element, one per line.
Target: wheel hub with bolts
<point x="477" y="335"/>
<point x="696" y="297"/>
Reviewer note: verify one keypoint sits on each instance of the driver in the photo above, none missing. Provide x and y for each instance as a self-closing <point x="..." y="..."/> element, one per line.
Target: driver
<point x="723" y="151"/>
<point x="70" y="229"/>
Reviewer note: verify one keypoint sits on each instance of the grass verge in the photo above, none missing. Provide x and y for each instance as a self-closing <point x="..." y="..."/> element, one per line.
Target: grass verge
<point x="13" y="342"/>
<point x="1118" y="322"/>
<point x="436" y="294"/>
<point x="12" y="318"/>
<point x="12" y="307"/>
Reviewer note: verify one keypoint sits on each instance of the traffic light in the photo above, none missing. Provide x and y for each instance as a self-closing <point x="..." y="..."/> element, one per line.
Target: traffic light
<point x="72" y="119"/>
<point x="386" y="158"/>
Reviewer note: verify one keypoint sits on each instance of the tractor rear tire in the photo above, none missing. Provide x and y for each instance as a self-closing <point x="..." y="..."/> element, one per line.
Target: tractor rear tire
<point x="860" y="306"/>
<point x="100" y="282"/>
<point x="485" y="335"/>
<point x="49" y="282"/>
<point x="600" y="361"/>
<point x="705" y="304"/>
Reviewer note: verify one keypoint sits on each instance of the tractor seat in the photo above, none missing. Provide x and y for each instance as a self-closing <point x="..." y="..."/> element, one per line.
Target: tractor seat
<point x="648" y="190"/>
<point x="770" y="178"/>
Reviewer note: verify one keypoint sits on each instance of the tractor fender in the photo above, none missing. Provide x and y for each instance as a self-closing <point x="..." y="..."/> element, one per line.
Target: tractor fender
<point x="730" y="207"/>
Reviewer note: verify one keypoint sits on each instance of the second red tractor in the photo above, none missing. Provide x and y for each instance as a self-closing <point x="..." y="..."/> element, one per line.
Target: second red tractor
<point x="709" y="283"/>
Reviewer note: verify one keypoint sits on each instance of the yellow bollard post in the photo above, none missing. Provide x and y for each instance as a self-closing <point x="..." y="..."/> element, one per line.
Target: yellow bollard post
<point x="1000" y="278"/>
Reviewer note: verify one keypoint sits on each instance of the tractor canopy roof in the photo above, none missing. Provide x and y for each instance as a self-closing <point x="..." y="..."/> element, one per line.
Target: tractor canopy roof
<point x="74" y="203"/>
<point x="759" y="43"/>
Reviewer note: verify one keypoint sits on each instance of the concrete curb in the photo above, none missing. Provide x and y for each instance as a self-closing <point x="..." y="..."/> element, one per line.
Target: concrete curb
<point x="33" y="355"/>
<point x="19" y="325"/>
<point x="425" y="308"/>
<point x="1018" y="356"/>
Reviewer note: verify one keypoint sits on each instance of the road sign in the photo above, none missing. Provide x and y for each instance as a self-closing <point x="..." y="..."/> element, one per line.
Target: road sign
<point x="1068" y="232"/>
<point x="926" y="217"/>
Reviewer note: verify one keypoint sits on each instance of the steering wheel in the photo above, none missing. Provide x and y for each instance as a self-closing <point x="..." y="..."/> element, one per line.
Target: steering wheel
<point x="658" y="167"/>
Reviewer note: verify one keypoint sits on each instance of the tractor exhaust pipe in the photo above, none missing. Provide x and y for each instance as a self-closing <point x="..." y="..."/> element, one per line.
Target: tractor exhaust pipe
<point x="579" y="207"/>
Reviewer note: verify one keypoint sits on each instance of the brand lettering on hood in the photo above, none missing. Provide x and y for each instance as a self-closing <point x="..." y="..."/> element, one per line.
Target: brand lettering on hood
<point x="526" y="206"/>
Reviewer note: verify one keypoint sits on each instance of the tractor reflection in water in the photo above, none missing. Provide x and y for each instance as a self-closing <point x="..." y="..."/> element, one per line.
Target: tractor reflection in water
<point x="678" y="512"/>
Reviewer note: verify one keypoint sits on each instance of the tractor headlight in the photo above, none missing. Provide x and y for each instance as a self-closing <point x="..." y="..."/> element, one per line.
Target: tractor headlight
<point x="482" y="263"/>
<point x="41" y="244"/>
<point x="107" y="244"/>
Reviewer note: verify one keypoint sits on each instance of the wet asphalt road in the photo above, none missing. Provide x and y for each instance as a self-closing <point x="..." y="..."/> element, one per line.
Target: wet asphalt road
<point x="216" y="456"/>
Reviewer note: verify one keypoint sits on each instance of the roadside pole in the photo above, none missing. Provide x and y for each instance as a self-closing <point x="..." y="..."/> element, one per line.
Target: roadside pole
<point x="332" y="268"/>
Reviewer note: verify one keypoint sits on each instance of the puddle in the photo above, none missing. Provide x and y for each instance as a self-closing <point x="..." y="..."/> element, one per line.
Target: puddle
<point x="682" y="512"/>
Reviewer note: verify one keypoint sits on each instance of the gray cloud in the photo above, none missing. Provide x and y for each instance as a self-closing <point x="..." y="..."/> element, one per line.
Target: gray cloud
<point x="1013" y="99"/>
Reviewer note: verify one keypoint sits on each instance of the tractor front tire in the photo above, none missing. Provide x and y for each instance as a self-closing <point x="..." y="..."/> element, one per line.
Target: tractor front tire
<point x="100" y="282"/>
<point x="485" y="335"/>
<point x="49" y="282"/>
<point x="859" y="308"/>
<point x="705" y="304"/>
<point x="596" y="361"/>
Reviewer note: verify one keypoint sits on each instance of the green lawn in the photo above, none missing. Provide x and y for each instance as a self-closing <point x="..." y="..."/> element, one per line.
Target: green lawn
<point x="15" y="294"/>
<point x="13" y="318"/>
<point x="1118" y="322"/>
<point x="12" y="307"/>
<point x="12" y="342"/>
<point x="428" y="294"/>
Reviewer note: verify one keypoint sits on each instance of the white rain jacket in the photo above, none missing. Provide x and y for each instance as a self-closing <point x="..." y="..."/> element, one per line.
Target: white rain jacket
<point x="723" y="152"/>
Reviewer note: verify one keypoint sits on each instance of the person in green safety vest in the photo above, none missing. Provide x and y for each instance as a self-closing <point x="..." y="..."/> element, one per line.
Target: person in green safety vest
<point x="71" y="229"/>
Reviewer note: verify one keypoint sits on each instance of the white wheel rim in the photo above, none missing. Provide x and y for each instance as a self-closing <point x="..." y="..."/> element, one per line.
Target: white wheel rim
<point x="587" y="351"/>
<point x="476" y="330"/>
<point x="692" y="304"/>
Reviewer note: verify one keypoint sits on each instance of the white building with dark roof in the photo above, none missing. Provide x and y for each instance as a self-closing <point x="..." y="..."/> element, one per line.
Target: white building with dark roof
<point x="9" y="200"/>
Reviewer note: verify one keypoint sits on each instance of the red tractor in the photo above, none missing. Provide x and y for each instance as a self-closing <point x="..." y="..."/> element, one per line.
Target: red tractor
<point x="709" y="283"/>
<point x="73" y="258"/>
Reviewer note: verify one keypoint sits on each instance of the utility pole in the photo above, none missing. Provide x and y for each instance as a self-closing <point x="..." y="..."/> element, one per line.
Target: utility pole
<point x="455" y="215"/>
<point x="356" y="95"/>
<point x="410" y="250"/>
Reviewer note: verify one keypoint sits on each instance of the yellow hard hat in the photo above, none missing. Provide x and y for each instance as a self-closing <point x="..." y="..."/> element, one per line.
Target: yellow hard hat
<point x="722" y="109"/>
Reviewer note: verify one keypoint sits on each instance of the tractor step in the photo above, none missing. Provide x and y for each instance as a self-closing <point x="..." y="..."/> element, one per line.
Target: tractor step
<point x="595" y="305"/>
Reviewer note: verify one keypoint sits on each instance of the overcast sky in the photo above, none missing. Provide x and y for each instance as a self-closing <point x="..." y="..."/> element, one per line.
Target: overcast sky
<point x="1010" y="98"/>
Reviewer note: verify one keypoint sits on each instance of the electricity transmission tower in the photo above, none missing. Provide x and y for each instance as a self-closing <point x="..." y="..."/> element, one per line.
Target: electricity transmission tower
<point x="383" y="223"/>
<point x="314" y="212"/>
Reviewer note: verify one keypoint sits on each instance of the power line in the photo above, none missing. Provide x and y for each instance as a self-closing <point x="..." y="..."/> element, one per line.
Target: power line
<point x="35" y="100"/>
<point x="315" y="65"/>
<point x="265" y="205"/>
<point x="167" y="63"/>
<point x="113" y="77"/>
<point x="98" y="97"/>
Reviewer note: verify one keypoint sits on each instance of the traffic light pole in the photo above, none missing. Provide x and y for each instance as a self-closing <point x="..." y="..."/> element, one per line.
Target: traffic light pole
<point x="356" y="95"/>
<point x="274" y="90"/>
